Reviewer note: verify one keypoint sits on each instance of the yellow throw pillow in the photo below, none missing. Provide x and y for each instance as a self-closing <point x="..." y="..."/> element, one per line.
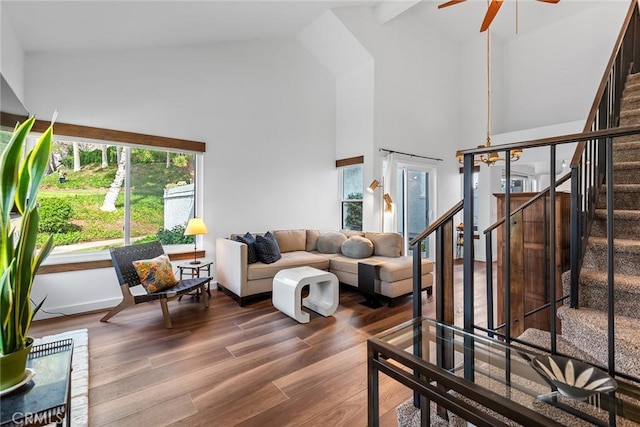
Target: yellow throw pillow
<point x="156" y="273"/>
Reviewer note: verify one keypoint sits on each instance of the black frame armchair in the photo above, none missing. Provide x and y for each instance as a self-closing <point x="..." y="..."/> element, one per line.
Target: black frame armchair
<point x="122" y="258"/>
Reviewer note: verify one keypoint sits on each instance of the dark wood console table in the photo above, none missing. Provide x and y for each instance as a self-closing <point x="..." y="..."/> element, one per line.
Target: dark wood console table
<point x="46" y="398"/>
<point x="482" y="380"/>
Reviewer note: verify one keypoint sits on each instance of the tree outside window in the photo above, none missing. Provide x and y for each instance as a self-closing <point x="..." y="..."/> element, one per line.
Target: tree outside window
<point x="352" y="185"/>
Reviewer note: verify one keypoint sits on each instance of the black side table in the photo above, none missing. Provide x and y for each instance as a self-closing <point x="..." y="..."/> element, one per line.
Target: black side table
<point x="194" y="271"/>
<point x="366" y="283"/>
<point x="46" y="398"/>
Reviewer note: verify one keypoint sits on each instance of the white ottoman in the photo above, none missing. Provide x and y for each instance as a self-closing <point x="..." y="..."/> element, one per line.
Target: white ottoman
<point x="287" y="292"/>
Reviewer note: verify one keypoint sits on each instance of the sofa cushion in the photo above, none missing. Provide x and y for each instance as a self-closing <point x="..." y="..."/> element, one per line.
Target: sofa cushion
<point x="250" y="241"/>
<point x="357" y="247"/>
<point x="389" y="269"/>
<point x="291" y="240"/>
<point x="289" y="260"/>
<point x="312" y="240"/>
<point x="400" y="268"/>
<point x="267" y="248"/>
<point x="330" y="242"/>
<point x="386" y="244"/>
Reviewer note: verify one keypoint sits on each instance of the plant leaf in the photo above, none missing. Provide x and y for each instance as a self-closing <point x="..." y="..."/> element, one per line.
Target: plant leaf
<point x="6" y="302"/>
<point x="42" y="254"/>
<point x="38" y="163"/>
<point x="9" y="167"/>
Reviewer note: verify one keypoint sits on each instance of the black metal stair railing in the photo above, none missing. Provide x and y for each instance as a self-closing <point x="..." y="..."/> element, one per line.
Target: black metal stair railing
<point x="591" y="169"/>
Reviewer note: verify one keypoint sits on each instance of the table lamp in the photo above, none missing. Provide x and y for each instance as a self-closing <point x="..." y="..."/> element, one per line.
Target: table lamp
<point x="195" y="227"/>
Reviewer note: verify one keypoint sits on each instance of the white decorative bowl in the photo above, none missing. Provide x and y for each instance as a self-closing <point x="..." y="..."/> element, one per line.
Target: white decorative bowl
<point x="574" y="379"/>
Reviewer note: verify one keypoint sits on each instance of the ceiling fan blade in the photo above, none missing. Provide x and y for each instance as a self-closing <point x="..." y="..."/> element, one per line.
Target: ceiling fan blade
<point x="550" y="1"/>
<point x="494" y="7"/>
<point x="450" y="3"/>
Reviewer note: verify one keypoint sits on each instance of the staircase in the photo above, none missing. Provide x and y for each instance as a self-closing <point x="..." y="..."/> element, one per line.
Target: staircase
<point x="586" y="327"/>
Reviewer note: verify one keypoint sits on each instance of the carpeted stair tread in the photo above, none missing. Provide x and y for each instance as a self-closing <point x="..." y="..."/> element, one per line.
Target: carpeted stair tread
<point x="624" y="188"/>
<point x="626" y="255"/>
<point x="626" y="196"/>
<point x="626" y="223"/>
<point x="627" y="139"/>
<point x="593" y="292"/>
<point x="620" y="145"/>
<point x="621" y="282"/>
<point x="626" y="151"/>
<point x="563" y="346"/>
<point x="626" y="245"/>
<point x="587" y="329"/>
<point x="626" y="172"/>
<point x="630" y="117"/>
<point x="620" y="215"/>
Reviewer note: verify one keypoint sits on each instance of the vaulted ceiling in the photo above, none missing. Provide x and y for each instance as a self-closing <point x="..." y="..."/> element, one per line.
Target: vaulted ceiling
<point x="97" y="25"/>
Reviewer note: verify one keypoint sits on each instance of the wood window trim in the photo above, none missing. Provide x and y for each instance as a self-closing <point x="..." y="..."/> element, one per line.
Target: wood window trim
<point x="89" y="132"/>
<point x="105" y="263"/>
<point x="358" y="160"/>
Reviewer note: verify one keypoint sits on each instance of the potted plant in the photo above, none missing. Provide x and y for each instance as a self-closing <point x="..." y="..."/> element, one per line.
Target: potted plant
<point x="20" y="178"/>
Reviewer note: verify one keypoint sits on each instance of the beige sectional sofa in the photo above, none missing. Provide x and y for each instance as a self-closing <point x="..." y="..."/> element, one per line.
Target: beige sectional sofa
<point x="393" y="272"/>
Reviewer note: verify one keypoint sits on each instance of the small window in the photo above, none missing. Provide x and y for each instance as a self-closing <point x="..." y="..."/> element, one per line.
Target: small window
<point x="352" y="188"/>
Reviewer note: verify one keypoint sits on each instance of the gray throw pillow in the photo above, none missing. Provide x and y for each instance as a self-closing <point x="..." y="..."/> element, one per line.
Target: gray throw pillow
<point x="357" y="247"/>
<point x="330" y="242"/>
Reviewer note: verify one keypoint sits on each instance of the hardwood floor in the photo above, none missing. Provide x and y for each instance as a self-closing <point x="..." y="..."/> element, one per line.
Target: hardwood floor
<point x="232" y="365"/>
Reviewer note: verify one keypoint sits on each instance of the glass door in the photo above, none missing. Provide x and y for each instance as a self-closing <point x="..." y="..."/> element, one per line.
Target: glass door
<point x="414" y="206"/>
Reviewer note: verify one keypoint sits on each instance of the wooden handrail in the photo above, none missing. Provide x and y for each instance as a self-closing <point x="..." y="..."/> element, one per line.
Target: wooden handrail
<point x="555" y="140"/>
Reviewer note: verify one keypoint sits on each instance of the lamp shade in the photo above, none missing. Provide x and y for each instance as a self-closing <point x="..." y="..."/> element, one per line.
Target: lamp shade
<point x="195" y="227"/>
<point x="372" y="187"/>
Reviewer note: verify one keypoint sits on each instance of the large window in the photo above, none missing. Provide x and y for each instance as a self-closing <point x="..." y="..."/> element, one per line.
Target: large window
<point x="352" y="187"/>
<point x="99" y="195"/>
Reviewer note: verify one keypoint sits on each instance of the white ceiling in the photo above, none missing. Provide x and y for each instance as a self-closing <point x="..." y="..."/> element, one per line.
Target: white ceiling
<point x="98" y="25"/>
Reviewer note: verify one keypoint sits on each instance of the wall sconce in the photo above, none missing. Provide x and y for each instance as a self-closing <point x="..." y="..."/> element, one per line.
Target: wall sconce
<point x="195" y="227"/>
<point x="374" y="184"/>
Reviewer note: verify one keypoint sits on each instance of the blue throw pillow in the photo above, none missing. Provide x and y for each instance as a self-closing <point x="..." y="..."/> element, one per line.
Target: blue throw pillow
<point x="267" y="248"/>
<point x="250" y="241"/>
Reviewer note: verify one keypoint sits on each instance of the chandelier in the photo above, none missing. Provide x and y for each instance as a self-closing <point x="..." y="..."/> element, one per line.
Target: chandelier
<point x="492" y="10"/>
<point x="492" y="157"/>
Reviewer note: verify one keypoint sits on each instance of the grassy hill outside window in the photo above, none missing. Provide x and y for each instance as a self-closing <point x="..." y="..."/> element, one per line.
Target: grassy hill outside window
<point x="101" y="194"/>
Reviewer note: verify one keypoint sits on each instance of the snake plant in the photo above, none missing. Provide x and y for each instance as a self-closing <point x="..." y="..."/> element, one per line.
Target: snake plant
<point x="20" y="178"/>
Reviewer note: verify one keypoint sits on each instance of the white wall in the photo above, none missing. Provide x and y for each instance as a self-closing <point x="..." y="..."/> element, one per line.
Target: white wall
<point x="329" y="40"/>
<point x="415" y="73"/>
<point x="553" y="73"/>
<point x="266" y="110"/>
<point x="11" y="57"/>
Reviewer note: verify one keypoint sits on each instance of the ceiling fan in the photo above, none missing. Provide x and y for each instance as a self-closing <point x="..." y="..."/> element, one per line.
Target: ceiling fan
<point x="492" y="11"/>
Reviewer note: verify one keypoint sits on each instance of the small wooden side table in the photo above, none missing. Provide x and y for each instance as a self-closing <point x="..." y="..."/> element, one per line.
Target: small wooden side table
<point x="194" y="271"/>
